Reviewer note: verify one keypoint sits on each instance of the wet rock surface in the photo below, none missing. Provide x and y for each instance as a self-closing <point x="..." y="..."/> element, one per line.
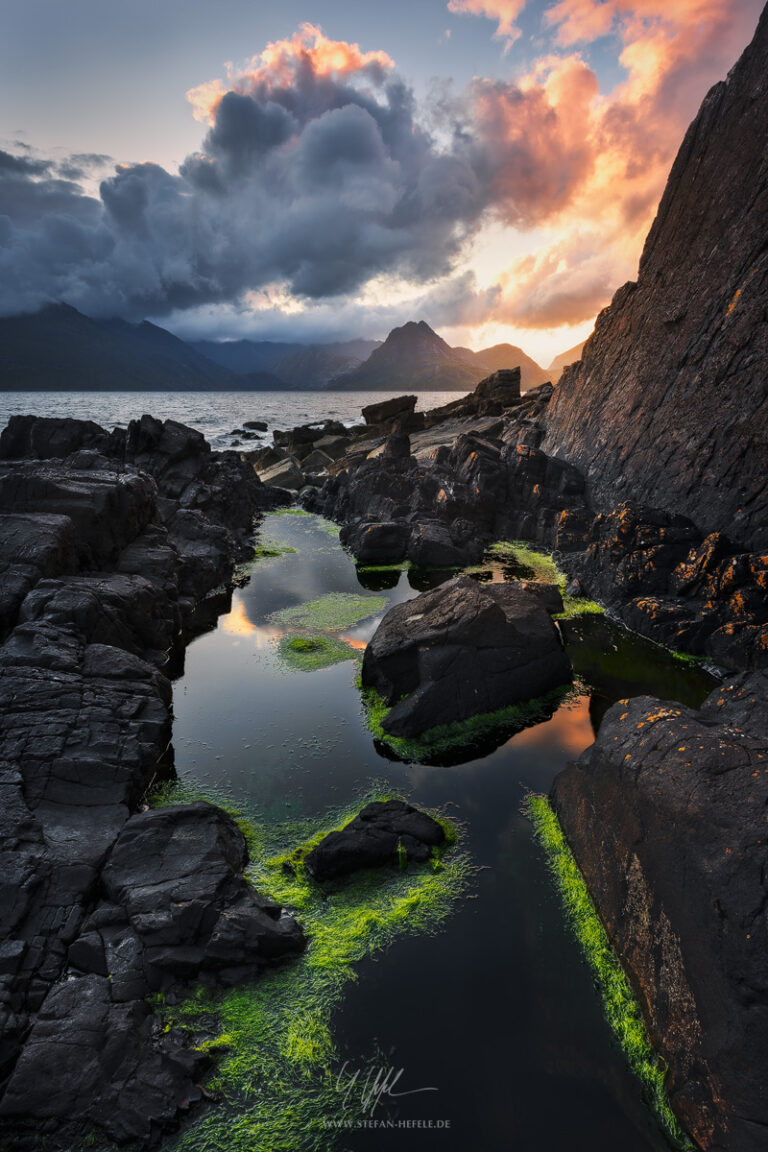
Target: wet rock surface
<point x="666" y="815"/>
<point x="384" y="832"/>
<point x="113" y="546"/>
<point x="460" y="651"/>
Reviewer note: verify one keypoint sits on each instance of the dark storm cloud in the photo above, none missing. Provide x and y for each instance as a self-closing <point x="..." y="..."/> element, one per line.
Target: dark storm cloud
<point x="317" y="179"/>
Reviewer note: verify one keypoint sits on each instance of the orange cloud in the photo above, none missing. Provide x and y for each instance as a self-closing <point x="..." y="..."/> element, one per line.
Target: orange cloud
<point x="590" y="165"/>
<point x="280" y="63"/>
<point x="505" y="12"/>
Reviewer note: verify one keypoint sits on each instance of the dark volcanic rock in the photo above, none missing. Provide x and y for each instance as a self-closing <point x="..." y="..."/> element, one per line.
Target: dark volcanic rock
<point x="83" y="1048"/>
<point x="378" y="543"/>
<point x="460" y="651"/>
<point x="177" y="873"/>
<point x="666" y="815"/>
<point x="112" y="545"/>
<point x="667" y="406"/>
<point x="377" y="835"/>
<point x="387" y="410"/>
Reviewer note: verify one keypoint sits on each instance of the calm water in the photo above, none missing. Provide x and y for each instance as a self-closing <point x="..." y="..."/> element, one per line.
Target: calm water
<point x="216" y="414"/>
<point x="498" y="1011"/>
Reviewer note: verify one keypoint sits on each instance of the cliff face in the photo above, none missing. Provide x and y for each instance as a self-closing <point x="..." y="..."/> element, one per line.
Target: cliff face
<point x="669" y="404"/>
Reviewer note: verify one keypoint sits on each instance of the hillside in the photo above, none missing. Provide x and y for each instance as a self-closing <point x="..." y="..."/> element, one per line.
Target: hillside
<point x="414" y="358"/>
<point x="60" y="349"/>
<point x="555" y="370"/>
<point x="272" y="364"/>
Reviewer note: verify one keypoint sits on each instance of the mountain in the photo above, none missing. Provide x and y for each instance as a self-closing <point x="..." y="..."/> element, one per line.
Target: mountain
<point x="414" y="358"/>
<point x="668" y="406"/>
<point x="60" y="349"/>
<point x="300" y="366"/>
<point x="510" y="356"/>
<point x="562" y="361"/>
<point x="246" y="356"/>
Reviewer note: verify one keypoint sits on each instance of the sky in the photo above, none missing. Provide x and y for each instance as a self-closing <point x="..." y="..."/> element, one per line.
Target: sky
<point x="323" y="170"/>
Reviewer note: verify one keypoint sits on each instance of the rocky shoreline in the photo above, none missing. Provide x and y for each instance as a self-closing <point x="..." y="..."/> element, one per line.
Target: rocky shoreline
<point x="116" y="548"/>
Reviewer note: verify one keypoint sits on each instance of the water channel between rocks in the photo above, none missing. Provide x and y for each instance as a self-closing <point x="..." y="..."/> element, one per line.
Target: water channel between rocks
<point x="498" y="1010"/>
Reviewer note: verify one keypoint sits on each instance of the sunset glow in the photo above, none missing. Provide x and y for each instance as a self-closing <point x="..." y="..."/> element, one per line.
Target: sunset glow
<point x="334" y="195"/>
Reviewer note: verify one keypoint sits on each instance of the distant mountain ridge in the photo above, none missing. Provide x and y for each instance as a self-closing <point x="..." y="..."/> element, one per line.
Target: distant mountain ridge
<point x="291" y="365"/>
<point x="61" y="349"/>
<point x="414" y="358"/>
<point x="564" y="360"/>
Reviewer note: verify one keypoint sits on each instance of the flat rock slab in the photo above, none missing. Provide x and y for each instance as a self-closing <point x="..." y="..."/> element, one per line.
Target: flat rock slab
<point x="462" y="650"/>
<point x="378" y="835"/>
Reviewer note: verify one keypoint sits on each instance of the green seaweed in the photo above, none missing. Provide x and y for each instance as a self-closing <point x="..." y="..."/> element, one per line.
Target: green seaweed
<point x="309" y="653"/>
<point x="276" y="1074"/>
<point x="541" y="564"/>
<point x="447" y="739"/>
<point x="619" y="1002"/>
<point x="289" y="512"/>
<point x="329" y="613"/>
<point x="269" y="549"/>
<point x="578" y="606"/>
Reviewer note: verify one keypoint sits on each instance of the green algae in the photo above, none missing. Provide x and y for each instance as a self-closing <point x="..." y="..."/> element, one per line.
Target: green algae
<point x="329" y="613"/>
<point x="541" y="565"/>
<point x="619" y="1002"/>
<point x="276" y="1075"/>
<point x="578" y="606"/>
<point x="531" y="564"/>
<point x="309" y="653"/>
<point x="449" y="739"/>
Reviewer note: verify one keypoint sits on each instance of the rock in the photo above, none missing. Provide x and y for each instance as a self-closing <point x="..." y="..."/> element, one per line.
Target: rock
<point x="431" y="546"/>
<point x="84" y="1047"/>
<point x="46" y="438"/>
<point x="503" y="386"/>
<point x="256" y="425"/>
<point x="177" y="873"/>
<point x="384" y="543"/>
<point x="107" y="509"/>
<point x="378" y="835"/>
<point x="397" y="447"/>
<point x="316" y="462"/>
<point x="112" y="546"/>
<point x="667" y="406"/>
<point x="387" y="410"/>
<point x="665" y="814"/>
<point x="285" y="474"/>
<point x="462" y="650"/>
<point x="333" y="446"/>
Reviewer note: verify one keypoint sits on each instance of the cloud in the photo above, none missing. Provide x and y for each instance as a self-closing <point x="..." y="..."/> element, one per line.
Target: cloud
<point x="314" y="174"/>
<point x="318" y="176"/>
<point x="274" y="315"/>
<point x="563" y="283"/>
<point x="591" y="164"/>
<point x="505" y="12"/>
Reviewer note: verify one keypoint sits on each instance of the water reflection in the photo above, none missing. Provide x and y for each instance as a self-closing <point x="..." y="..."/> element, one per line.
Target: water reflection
<point x="498" y="1011"/>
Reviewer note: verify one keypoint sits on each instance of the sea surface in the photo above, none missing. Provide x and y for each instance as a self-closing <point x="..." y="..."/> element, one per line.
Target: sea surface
<point x="215" y="414"/>
<point x="498" y="1012"/>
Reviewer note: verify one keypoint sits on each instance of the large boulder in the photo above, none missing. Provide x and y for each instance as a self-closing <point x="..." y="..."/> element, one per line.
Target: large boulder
<point x="388" y="410"/>
<point x="285" y="473"/>
<point x="462" y="650"/>
<point x="666" y="816"/>
<point x="382" y="833"/>
<point x="177" y="874"/>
